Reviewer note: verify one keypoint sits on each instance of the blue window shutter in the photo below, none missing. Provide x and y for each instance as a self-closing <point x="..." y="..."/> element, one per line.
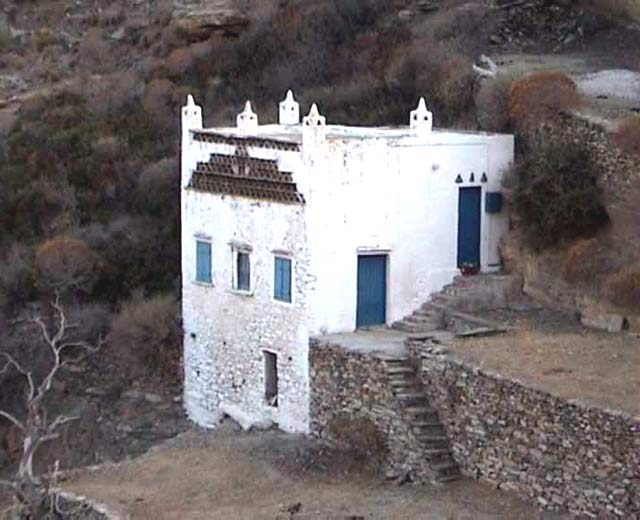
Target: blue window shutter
<point x="243" y="272"/>
<point x="282" y="284"/>
<point x="203" y="262"/>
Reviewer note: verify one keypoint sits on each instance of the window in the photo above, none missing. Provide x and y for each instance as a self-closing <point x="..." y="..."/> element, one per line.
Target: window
<point x="243" y="270"/>
<point x="203" y="261"/>
<point x="282" y="287"/>
<point x="271" y="378"/>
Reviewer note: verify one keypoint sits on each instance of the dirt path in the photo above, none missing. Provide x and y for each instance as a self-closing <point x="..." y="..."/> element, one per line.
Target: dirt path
<point x="230" y="475"/>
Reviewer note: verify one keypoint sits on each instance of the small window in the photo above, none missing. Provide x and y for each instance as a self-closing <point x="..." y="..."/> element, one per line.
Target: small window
<point x="271" y="378"/>
<point x="282" y="288"/>
<point x="203" y="262"/>
<point x="243" y="270"/>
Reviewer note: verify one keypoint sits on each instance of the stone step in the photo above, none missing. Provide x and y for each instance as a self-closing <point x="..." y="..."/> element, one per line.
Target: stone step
<point x="418" y="411"/>
<point x="431" y="430"/>
<point x="405" y="385"/>
<point x="446" y="469"/>
<point x="399" y="369"/>
<point x="404" y="326"/>
<point x="412" y="397"/>
<point x="451" y="477"/>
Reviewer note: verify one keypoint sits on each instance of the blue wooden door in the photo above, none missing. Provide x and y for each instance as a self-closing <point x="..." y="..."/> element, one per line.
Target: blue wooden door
<point x="372" y="291"/>
<point x="469" y="227"/>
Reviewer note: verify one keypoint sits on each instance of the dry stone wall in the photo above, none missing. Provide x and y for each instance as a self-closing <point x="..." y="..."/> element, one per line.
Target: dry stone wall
<point x="564" y="455"/>
<point x="354" y="386"/>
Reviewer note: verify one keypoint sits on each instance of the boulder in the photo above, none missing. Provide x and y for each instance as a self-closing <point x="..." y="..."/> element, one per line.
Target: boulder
<point x="597" y="316"/>
<point x="197" y="24"/>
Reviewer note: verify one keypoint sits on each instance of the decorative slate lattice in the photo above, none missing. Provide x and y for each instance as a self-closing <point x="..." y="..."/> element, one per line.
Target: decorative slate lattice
<point x="255" y="142"/>
<point x="245" y="176"/>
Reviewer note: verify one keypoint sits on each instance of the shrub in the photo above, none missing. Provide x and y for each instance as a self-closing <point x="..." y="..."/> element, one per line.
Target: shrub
<point x="359" y="437"/>
<point x="623" y="287"/>
<point x="158" y="188"/>
<point x="65" y="264"/>
<point x="145" y="336"/>
<point x="492" y="105"/>
<point x="627" y="136"/>
<point x="538" y="96"/>
<point x="16" y="277"/>
<point x="615" y="10"/>
<point x="553" y="193"/>
<point x="437" y="72"/>
<point x="586" y="261"/>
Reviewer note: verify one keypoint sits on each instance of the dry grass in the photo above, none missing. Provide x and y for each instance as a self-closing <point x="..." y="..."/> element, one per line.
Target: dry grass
<point x="623" y="287"/>
<point x="585" y="261"/>
<point x="617" y="10"/>
<point x="627" y="136"/>
<point x="599" y="368"/>
<point x="538" y="96"/>
<point x="233" y="476"/>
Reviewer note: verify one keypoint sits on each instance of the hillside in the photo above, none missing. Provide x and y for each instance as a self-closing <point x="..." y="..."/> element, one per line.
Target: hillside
<point x="90" y="93"/>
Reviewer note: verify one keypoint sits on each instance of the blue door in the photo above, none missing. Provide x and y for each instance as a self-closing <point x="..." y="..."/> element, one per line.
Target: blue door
<point x="469" y="227"/>
<point x="372" y="291"/>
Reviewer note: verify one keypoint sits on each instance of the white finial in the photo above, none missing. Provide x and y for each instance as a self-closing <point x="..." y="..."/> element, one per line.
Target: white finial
<point x="191" y="115"/>
<point x="314" y="118"/>
<point x="421" y="119"/>
<point x="247" y="120"/>
<point x="289" y="110"/>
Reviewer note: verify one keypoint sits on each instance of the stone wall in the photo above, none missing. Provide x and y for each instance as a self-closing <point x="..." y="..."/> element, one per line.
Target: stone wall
<point x="561" y="454"/>
<point x="353" y="385"/>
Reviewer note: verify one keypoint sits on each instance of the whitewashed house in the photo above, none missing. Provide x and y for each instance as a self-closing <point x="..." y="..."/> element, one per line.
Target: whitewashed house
<point x="299" y="229"/>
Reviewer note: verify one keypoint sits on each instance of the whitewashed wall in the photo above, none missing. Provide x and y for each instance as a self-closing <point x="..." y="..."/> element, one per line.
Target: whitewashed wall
<point x="398" y="198"/>
<point x="224" y="362"/>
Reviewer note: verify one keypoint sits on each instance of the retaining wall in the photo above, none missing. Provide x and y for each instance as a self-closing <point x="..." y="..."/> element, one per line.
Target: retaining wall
<point x="564" y="455"/>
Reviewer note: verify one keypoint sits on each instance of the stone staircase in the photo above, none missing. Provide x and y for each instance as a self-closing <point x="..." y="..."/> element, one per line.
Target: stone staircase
<point x="450" y="307"/>
<point x="422" y="420"/>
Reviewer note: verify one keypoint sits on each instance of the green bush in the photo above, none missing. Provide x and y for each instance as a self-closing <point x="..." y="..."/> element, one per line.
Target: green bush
<point x="554" y="194"/>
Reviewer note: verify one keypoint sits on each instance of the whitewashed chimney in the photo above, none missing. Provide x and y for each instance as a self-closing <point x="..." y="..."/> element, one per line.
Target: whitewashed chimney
<point x="314" y="126"/>
<point x="191" y="120"/>
<point x="289" y="110"/>
<point x="421" y="121"/>
<point x="247" y="120"/>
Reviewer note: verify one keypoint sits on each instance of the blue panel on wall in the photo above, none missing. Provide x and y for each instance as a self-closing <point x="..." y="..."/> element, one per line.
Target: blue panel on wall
<point x="493" y="202"/>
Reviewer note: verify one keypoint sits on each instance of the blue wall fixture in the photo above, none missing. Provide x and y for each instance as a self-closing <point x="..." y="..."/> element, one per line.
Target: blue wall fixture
<point x="493" y="202"/>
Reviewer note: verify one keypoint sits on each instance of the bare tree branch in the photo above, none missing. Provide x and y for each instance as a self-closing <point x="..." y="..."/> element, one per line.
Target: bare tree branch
<point x="26" y="373"/>
<point x="8" y="484"/>
<point x="11" y="418"/>
<point x="60" y="421"/>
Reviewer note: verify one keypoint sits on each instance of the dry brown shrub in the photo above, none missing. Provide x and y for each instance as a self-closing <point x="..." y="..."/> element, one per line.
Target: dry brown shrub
<point x="538" y="96"/>
<point x="617" y="10"/>
<point x="586" y="261"/>
<point x="179" y="62"/>
<point x="623" y="287"/>
<point x="627" y="136"/>
<point x="93" y="51"/>
<point x="492" y="104"/>
<point x="145" y="336"/>
<point x="157" y="96"/>
<point x="65" y="263"/>
<point x="359" y="437"/>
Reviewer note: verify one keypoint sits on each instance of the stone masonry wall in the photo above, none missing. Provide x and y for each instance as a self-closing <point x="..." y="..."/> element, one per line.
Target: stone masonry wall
<point x="355" y="386"/>
<point x="561" y="454"/>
